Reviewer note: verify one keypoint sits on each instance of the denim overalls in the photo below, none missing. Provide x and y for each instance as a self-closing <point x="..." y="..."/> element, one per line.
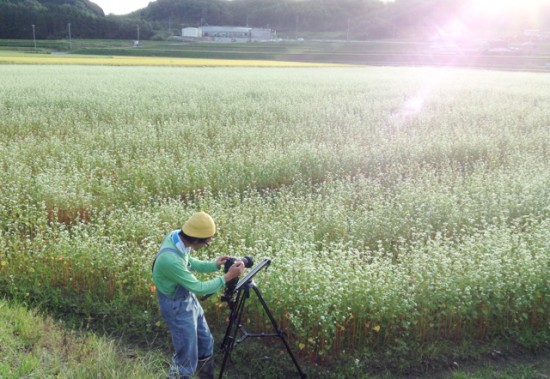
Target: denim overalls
<point x="191" y="336"/>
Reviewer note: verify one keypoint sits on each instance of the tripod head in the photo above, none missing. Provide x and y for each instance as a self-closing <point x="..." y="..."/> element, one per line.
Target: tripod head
<point x="245" y="281"/>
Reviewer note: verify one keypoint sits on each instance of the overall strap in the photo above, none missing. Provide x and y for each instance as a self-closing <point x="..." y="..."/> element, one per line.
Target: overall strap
<point x="163" y="250"/>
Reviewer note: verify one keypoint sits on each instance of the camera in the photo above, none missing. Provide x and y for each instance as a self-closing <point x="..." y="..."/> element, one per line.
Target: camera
<point x="248" y="262"/>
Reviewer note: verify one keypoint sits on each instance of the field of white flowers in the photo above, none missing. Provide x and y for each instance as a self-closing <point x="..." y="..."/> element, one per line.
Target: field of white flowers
<point x="403" y="208"/>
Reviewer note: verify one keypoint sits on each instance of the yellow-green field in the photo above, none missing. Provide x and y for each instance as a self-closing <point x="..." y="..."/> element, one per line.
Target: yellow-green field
<point x="10" y="57"/>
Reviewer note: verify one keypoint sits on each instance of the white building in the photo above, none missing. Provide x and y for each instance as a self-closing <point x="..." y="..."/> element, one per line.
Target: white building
<point x="228" y="34"/>
<point x="190" y="33"/>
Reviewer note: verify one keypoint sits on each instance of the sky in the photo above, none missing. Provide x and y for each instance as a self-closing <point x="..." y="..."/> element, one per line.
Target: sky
<point x="121" y="6"/>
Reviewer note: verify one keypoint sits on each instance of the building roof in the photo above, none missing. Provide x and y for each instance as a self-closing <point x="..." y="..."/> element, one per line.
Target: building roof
<point x="211" y="29"/>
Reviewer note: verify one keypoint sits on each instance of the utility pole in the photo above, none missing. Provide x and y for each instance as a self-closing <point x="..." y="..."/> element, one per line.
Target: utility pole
<point x="347" y="34"/>
<point x="70" y="39"/>
<point x="34" y="36"/>
<point x="138" y="33"/>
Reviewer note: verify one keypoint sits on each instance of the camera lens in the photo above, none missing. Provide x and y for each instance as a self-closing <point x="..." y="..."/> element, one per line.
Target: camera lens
<point x="248" y="261"/>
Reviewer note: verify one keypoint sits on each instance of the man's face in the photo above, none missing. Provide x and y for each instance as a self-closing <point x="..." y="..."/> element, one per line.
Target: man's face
<point x="199" y="245"/>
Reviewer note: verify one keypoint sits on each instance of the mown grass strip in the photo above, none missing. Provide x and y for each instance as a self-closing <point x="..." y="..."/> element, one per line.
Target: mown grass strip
<point x="35" y="346"/>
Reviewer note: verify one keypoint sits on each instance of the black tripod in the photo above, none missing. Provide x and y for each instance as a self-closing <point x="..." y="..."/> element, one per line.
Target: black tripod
<point x="236" y="303"/>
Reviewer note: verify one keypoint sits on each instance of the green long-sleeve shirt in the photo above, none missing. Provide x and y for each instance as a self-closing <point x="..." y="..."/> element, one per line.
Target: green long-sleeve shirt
<point x="174" y="267"/>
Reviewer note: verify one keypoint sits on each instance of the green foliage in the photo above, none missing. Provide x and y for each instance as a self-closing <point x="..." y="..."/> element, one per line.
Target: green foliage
<point x="33" y="346"/>
<point x="403" y="209"/>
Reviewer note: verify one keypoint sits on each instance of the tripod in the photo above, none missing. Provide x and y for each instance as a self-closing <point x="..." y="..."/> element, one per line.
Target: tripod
<point x="236" y="303"/>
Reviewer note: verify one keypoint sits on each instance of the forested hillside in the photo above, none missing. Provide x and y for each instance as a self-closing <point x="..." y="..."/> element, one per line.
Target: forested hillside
<point x="355" y="19"/>
<point x="52" y="17"/>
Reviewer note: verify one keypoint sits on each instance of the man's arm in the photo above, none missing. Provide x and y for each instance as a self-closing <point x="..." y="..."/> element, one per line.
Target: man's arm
<point x="202" y="266"/>
<point x="172" y="268"/>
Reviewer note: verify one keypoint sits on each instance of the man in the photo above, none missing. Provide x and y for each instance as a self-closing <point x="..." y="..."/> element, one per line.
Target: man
<point x="176" y="289"/>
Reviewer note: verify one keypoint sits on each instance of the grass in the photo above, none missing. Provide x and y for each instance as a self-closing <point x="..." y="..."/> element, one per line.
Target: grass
<point x="37" y="346"/>
<point x="33" y="346"/>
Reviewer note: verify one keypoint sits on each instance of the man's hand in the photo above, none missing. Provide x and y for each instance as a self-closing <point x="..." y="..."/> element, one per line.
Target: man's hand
<point x="221" y="260"/>
<point x="236" y="270"/>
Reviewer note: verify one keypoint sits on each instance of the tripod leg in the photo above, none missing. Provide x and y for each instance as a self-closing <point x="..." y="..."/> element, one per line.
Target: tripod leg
<point x="279" y="332"/>
<point x="232" y="329"/>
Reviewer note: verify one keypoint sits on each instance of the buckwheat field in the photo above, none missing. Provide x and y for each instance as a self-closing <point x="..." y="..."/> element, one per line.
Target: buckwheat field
<point x="403" y="209"/>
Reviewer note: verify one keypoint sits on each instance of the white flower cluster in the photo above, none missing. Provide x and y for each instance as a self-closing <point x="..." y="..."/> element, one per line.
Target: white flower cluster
<point x="382" y="222"/>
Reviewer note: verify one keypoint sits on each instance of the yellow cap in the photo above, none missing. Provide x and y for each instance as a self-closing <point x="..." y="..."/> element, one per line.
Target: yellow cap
<point x="200" y="225"/>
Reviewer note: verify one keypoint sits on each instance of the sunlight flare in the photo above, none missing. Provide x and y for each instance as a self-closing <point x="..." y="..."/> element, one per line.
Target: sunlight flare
<point x="492" y="6"/>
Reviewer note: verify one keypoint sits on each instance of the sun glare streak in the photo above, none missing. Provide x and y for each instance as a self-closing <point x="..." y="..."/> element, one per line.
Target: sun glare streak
<point x="429" y="87"/>
<point x="410" y="108"/>
<point x="415" y="104"/>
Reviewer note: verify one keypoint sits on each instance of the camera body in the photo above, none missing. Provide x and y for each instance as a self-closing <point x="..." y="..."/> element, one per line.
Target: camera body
<point x="248" y="262"/>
